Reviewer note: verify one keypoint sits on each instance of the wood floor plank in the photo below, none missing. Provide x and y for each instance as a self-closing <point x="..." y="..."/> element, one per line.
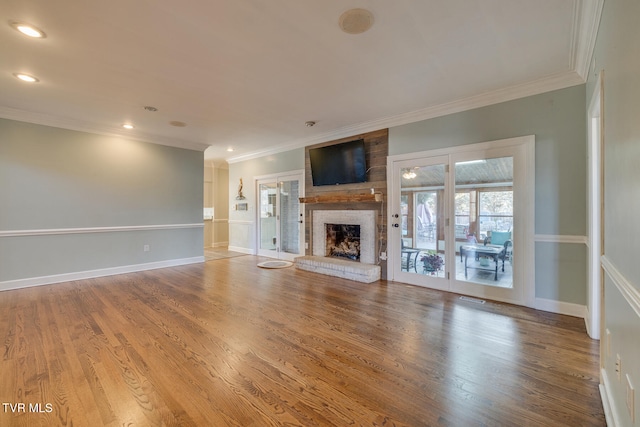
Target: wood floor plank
<point x="225" y="343"/>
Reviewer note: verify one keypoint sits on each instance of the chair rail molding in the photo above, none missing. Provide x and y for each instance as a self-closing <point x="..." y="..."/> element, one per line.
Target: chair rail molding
<point x="556" y="238"/>
<point x="88" y="230"/>
<point x="630" y="293"/>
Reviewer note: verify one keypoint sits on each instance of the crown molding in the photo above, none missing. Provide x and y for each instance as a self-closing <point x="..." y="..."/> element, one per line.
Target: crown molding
<point x="586" y="22"/>
<point x="536" y="87"/>
<point x="89" y="127"/>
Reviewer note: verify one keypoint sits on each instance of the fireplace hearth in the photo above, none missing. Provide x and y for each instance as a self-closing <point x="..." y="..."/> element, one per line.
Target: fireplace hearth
<point x="338" y="229"/>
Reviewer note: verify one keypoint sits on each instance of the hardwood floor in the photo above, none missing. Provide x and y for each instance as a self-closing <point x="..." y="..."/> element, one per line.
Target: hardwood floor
<point x="225" y="343"/>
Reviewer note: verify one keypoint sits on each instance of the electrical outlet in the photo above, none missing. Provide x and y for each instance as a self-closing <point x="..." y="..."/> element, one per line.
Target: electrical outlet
<point x="630" y="398"/>
<point x="618" y="367"/>
<point x="383" y="256"/>
<point x="146" y="248"/>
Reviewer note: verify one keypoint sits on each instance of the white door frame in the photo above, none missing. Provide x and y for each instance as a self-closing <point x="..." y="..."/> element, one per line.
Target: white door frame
<point x="525" y="209"/>
<point x="595" y="237"/>
<point x="394" y="268"/>
<point x="276" y="178"/>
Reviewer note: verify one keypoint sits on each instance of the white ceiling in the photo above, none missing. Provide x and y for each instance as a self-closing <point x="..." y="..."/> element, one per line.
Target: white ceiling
<point x="248" y="74"/>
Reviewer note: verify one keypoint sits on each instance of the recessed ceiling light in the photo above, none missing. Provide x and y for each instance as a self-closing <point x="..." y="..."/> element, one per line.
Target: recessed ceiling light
<point x="310" y="123"/>
<point x="127" y="126"/>
<point x="230" y="149"/>
<point x="177" y="124"/>
<point x="26" y="77"/>
<point x="150" y="108"/>
<point x="28" y="29"/>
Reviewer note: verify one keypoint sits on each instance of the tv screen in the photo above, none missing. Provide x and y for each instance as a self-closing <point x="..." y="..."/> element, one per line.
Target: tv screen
<point x="339" y="164"/>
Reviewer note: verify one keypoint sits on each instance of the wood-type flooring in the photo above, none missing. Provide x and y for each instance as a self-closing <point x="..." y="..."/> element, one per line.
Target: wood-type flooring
<point x="225" y="343"/>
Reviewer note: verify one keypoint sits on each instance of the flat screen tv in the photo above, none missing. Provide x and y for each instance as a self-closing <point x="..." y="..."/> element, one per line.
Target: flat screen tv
<point x="343" y="163"/>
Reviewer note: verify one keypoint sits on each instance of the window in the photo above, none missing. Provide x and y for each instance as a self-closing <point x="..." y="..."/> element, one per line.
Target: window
<point x="496" y="211"/>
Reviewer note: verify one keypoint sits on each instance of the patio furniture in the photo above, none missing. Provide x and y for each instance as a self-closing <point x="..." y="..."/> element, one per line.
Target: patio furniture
<point x="501" y="238"/>
<point x="477" y="251"/>
<point x="409" y="257"/>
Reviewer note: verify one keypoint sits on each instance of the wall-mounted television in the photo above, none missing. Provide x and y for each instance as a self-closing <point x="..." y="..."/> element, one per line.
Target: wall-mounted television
<point x="343" y="163"/>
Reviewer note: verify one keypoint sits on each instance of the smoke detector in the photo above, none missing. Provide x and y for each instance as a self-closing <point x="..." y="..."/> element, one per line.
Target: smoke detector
<point x="355" y="21"/>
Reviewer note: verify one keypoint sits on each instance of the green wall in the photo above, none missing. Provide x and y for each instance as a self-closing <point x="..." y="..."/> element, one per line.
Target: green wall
<point x="55" y="179"/>
<point x="617" y="52"/>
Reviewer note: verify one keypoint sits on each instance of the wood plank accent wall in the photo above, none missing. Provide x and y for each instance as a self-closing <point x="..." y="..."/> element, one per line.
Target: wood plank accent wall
<point x="376" y="145"/>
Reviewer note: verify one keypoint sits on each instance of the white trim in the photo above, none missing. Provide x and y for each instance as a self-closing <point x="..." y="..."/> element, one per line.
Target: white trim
<point x="546" y="84"/>
<point x="555" y="238"/>
<point x="630" y="293"/>
<point x="610" y="414"/>
<point x="584" y="32"/>
<point x="87" y="230"/>
<point x="80" y="275"/>
<point x="529" y="227"/>
<point x="247" y="251"/>
<point x="595" y="196"/>
<point x="561" y="307"/>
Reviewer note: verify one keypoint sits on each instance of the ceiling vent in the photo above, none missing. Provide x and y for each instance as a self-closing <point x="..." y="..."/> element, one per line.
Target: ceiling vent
<point x="356" y="21"/>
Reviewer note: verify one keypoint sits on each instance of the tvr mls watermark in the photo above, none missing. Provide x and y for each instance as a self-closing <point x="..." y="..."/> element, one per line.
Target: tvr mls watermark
<point x="43" y="408"/>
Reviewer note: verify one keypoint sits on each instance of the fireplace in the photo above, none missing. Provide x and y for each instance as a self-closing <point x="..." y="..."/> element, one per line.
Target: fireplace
<point x="349" y="234"/>
<point x="343" y="241"/>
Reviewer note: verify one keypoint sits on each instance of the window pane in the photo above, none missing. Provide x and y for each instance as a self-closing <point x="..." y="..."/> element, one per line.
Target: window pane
<point x="496" y="211"/>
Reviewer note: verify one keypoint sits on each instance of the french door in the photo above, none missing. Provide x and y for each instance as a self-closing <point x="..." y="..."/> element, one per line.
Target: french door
<point x="418" y="224"/>
<point x="462" y="220"/>
<point x="280" y="222"/>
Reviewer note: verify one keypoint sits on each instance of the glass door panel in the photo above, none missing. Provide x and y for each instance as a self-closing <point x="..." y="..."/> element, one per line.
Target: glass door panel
<point x="290" y="217"/>
<point x="268" y="230"/>
<point x="419" y="224"/>
<point x="484" y="221"/>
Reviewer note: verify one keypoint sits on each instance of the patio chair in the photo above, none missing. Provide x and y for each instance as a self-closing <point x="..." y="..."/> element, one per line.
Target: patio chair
<point x="501" y="238"/>
<point x="409" y="257"/>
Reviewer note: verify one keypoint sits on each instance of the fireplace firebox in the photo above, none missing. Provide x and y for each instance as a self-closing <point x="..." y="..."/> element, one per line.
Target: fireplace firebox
<point x="343" y="241"/>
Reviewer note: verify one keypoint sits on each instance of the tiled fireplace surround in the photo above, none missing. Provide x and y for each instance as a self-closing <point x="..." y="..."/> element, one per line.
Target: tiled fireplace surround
<point x="365" y="219"/>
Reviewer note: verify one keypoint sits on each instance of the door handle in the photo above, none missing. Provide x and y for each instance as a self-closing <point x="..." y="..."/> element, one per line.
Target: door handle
<point x="396" y="225"/>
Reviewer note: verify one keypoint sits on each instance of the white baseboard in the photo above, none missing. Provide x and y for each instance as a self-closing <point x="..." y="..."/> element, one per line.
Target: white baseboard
<point x="66" y="277"/>
<point x="560" y="307"/>
<point x="610" y="414"/>
<point x="247" y="251"/>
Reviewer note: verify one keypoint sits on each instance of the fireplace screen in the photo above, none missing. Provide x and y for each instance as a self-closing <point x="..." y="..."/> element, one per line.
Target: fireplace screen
<point x="343" y="241"/>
